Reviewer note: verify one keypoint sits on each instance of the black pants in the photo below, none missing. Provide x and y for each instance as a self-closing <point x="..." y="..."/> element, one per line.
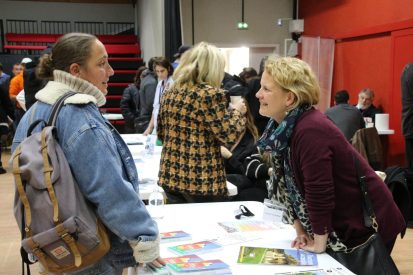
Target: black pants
<point x="178" y="198"/>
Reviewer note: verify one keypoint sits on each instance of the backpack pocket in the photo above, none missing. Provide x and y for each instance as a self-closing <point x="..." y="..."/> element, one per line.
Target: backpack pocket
<point x="66" y="246"/>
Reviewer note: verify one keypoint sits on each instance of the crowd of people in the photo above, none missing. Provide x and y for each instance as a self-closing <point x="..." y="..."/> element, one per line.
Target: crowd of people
<point x="260" y="131"/>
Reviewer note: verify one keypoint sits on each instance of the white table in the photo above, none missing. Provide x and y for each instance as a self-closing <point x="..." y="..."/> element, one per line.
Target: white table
<point x="110" y="116"/>
<point x="200" y="220"/>
<point x="385" y="132"/>
<point x="148" y="166"/>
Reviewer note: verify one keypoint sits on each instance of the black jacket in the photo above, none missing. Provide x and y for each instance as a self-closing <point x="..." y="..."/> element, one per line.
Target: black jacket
<point x="407" y="100"/>
<point x="6" y="106"/>
<point x="127" y="104"/>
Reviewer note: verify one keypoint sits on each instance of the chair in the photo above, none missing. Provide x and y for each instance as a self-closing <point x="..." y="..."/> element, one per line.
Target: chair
<point x="367" y="142"/>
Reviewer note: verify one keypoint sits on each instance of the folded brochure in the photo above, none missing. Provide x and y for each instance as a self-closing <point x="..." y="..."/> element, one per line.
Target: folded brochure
<point x="174" y="236"/>
<point x="195" y="248"/>
<point x="276" y="256"/>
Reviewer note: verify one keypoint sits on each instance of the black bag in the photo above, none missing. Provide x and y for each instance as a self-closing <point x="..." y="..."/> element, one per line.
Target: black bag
<point x="371" y="257"/>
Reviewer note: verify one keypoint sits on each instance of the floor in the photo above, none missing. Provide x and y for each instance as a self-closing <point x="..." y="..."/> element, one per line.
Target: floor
<point x="10" y="262"/>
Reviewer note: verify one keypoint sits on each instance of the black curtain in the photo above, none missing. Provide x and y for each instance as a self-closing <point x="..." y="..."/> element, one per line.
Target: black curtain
<point x="173" y="37"/>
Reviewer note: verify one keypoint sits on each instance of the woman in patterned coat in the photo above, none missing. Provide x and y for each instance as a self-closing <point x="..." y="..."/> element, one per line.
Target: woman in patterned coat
<point x="193" y="123"/>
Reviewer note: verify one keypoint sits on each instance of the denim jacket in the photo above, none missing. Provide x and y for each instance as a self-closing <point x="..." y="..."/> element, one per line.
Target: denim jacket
<point x="102" y="165"/>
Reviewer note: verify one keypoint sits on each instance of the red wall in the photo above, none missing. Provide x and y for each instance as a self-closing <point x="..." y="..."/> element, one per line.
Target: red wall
<point x="364" y="52"/>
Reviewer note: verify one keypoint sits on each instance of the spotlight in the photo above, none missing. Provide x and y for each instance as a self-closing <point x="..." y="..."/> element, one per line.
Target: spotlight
<point x="279" y="22"/>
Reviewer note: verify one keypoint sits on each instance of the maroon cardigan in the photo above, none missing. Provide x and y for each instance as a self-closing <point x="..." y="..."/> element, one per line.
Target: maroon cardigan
<point x="324" y="169"/>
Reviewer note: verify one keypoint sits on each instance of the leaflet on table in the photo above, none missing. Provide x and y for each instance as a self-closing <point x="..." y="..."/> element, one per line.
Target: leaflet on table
<point x="190" y="264"/>
<point x="235" y="238"/>
<point x="276" y="256"/>
<point x="328" y="271"/>
<point x="174" y="236"/>
<point x="173" y="260"/>
<point x="250" y="226"/>
<point x="201" y="267"/>
<point x="195" y="248"/>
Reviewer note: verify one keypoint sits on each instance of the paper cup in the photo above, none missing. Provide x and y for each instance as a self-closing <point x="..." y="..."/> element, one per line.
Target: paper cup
<point x="382" y="121"/>
<point x="235" y="99"/>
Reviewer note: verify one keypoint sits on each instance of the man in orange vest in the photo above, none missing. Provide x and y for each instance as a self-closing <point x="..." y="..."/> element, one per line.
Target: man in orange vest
<point x="16" y="86"/>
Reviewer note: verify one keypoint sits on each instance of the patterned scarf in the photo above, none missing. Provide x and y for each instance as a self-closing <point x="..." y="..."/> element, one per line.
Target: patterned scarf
<point x="282" y="186"/>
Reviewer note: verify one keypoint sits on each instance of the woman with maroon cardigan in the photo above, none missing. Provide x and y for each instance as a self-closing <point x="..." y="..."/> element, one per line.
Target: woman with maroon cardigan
<point x="314" y="168"/>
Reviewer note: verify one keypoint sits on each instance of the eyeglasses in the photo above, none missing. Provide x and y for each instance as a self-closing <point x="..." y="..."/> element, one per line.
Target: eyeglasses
<point x="244" y="212"/>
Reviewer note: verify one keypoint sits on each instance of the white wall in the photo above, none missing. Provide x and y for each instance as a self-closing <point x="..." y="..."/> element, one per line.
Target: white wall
<point x="151" y="27"/>
<point x="66" y="11"/>
<point x="216" y="20"/>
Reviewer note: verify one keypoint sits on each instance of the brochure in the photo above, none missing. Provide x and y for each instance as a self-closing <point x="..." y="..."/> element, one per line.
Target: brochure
<point x="248" y="226"/>
<point x="195" y="248"/>
<point x="173" y="260"/>
<point x="276" y="256"/>
<point x="328" y="271"/>
<point x="174" y="236"/>
<point x="202" y="267"/>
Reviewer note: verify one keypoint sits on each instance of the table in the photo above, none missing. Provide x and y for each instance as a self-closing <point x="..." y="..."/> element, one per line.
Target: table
<point x="385" y="132"/>
<point x="201" y="221"/>
<point x="148" y="165"/>
<point x="110" y="116"/>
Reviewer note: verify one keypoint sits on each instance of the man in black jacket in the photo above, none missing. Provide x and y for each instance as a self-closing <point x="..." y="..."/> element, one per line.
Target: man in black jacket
<point x="407" y="111"/>
<point x="366" y="106"/>
<point x="6" y="109"/>
<point x="144" y="99"/>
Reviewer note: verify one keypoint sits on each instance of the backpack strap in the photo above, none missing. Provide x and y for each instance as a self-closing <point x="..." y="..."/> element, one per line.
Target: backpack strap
<point x="22" y="193"/>
<point x="47" y="173"/>
<point x="56" y="108"/>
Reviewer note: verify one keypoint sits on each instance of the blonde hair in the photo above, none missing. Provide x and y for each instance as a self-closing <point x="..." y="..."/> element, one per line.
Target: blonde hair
<point x="204" y="63"/>
<point x="296" y="76"/>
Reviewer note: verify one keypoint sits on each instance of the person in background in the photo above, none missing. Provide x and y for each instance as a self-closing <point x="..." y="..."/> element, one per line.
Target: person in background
<point x="17" y="69"/>
<point x="129" y="107"/>
<point x="164" y="71"/>
<point x="31" y="83"/>
<point x="345" y="116"/>
<point x="6" y="110"/>
<point x="3" y="76"/>
<point x="310" y="155"/>
<point x="247" y="74"/>
<point x="193" y="123"/>
<point x="366" y="106"/>
<point x="16" y="86"/>
<point x="234" y="157"/>
<point x="407" y="112"/>
<point x="145" y="97"/>
<point x="181" y="50"/>
<point x="253" y="87"/>
<point x="98" y="158"/>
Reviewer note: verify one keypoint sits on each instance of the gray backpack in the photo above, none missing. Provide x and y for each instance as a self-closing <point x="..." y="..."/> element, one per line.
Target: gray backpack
<point x="59" y="226"/>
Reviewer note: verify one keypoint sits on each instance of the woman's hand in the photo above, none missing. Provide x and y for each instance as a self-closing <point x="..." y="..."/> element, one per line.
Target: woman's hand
<point x="319" y="244"/>
<point x="225" y="153"/>
<point x="301" y="241"/>
<point x="159" y="262"/>
<point x="306" y="242"/>
<point x="240" y="106"/>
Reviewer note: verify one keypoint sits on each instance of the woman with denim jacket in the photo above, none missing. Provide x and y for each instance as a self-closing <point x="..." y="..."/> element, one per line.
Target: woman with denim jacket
<point x="99" y="159"/>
